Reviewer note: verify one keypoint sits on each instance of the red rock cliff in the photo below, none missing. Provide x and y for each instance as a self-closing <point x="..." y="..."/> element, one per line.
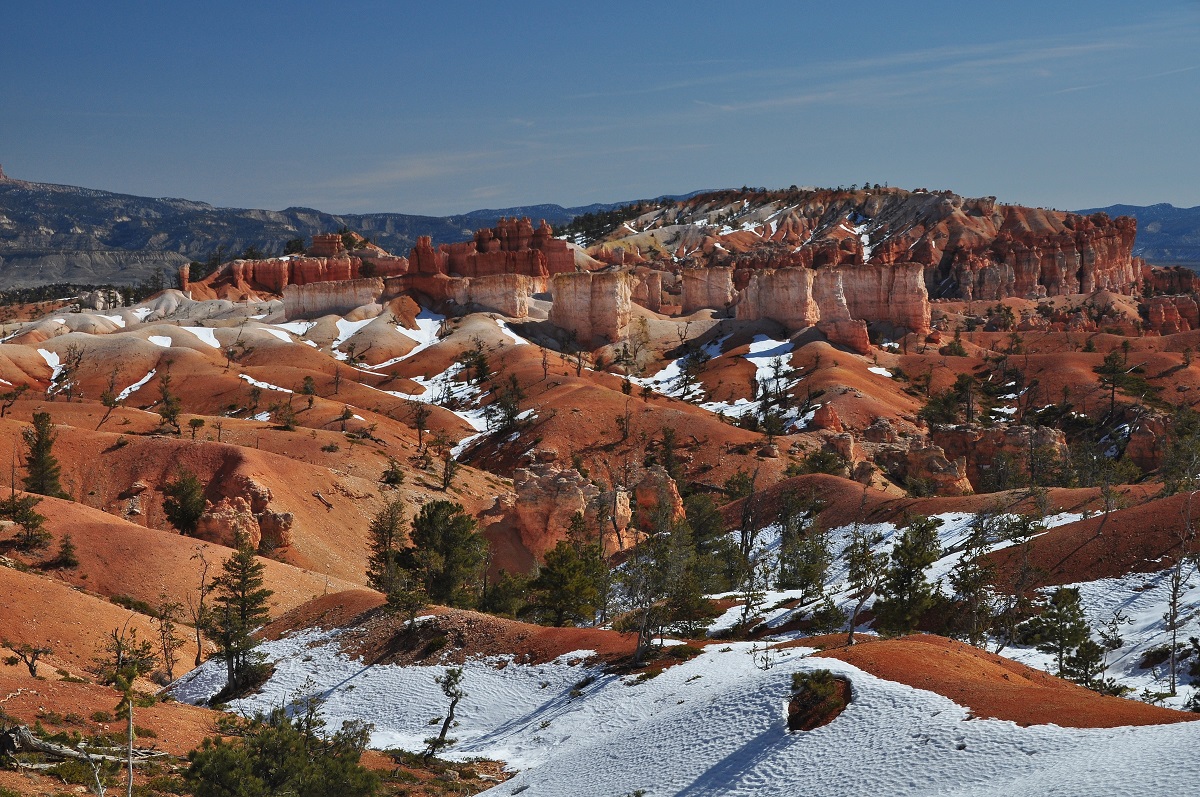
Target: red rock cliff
<point x="967" y="248"/>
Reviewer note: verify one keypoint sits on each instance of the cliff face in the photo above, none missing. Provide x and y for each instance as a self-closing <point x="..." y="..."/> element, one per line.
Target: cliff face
<point x="323" y="298"/>
<point x="979" y="447"/>
<point x="512" y="247"/>
<point x="1038" y="253"/>
<point x="707" y="287"/>
<point x="1167" y="315"/>
<point x="966" y="248"/>
<point x="838" y="301"/>
<point x="595" y="306"/>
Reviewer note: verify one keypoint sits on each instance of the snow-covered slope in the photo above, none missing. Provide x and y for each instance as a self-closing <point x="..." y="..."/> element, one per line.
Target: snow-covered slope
<point x="716" y="725"/>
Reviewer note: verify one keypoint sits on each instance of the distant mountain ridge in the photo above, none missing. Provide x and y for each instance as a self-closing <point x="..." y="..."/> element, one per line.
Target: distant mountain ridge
<point x="59" y="233"/>
<point x="1166" y="234"/>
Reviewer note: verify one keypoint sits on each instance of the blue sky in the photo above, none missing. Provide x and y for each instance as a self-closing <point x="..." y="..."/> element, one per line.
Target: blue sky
<point x="446" y="107"/>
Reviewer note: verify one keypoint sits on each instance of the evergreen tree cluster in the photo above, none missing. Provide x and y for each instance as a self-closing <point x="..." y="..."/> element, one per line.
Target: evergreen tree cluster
<point x="284" y="753"/>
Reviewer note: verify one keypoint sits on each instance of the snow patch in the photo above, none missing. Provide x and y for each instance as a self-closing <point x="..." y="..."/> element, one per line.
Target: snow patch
<point x="136" y="386"/>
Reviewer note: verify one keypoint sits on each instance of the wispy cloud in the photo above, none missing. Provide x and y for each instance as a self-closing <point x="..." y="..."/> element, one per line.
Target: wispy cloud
<point x="413" y="169"/>
<point x="937" y="73"/>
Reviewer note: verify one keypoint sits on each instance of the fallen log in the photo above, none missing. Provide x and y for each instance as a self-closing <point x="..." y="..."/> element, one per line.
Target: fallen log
<point x="20" y="740"/>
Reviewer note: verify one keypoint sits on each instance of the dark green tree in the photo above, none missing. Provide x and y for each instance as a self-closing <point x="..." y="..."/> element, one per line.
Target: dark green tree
<point x="279" y="754"/>
<point x="865" y="568"/>
<point x="566" y="587"/>
<point x="975" y="607"/>
<point x="505" y="595"/>
<point x="386" y="533"/>
<point x="26" y="654"/>
<point x="239" y="607"/>
<point x="183" y="501"/>
<point x="452" y="688"/>
<point x="41" y="466"/>
<point x="1060" y="629"/>
<point x="804" y="554"/>
<point x="905" y="594"/>
<point x="169" y="405"/>
<point x="447" y="553"/>
<point x="687" y="611"/>
<point x="32" y="535"/>
<point x="124" y="657"/>
<point x="308" y="389"/>
<point x="716" y="555"/>
<point x="67" y="556"/>
<point x="1085" y="664"/>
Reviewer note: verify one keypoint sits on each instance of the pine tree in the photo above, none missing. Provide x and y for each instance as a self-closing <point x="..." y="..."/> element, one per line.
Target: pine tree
<point x="239" y="606"/>
<point x="1061" y="628"/>
<point x="716" y="562"/>
<point x="41" y="466"/>
<point x="565" y="589"/>
<point x="1085" y="664"/>
<point x="975" y="608"/>
<point x="452" y="688"/>
<point x="167" y="616"/>
<point x="687" y="610"/>
<point x="32" y="535"/>
<point x="447" y="553"/>
<point x="66" y="557"/>
<point x="865" y="570"/>
<point x="905" y="594"/>
<point x="505" y="595"/>
<point x="804" y="555"/>
<point x="169" y="406"/>
<point x="284" y="753"/>
<point x="386" y="534"/>
<point x="184" y="502"/>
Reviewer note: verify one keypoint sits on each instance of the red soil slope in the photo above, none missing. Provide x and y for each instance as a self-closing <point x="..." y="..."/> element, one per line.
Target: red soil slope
<point x="992" y="686"/>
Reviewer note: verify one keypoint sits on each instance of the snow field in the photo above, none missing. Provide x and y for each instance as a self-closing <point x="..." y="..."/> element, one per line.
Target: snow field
<point x="714" y="725"/>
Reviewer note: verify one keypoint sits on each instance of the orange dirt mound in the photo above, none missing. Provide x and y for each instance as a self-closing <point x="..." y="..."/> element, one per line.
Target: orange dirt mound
<point x="1141" y="539"/>
<point x="996" y="687"/>
<point x="468" y="634"/>
<point x="67" y="706"/>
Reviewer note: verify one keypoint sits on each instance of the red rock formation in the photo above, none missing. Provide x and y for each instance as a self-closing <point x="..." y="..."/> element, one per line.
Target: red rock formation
<point x="229" y="522"/>
<point x="324" y="298"/>
<point x="559" y="257"/>
<point x="593" y="305"/>
<point x="915" y="461"/>
<point x="826" y="417"/>
<point x="548" y="498"/>
<point x="657" y="492"/>
<point x="1168" y="315"/>
<point x="1148" y="440"/>
<point x="511" y="247"/>
<point x="967" y="248"/>
<point x="329" y="245"/>
<point x="648" y="290"/>
<point x="707" y="287"/>
<point x="979" y="446"/>
<point x="1169" y="279"/>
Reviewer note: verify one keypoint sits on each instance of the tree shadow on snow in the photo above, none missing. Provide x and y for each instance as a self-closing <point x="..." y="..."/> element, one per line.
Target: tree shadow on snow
<point x="723" y="776"/>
